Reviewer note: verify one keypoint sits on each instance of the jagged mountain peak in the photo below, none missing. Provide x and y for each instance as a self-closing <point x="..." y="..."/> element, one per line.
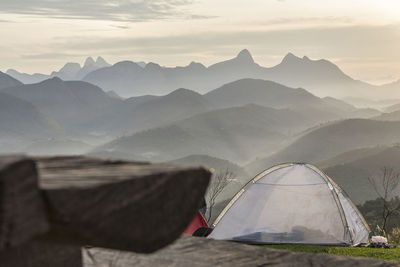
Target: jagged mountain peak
<point x="194" y="64"/>
<point x="152" y="66"/>
<point x="70" y="67"/>
<point x="245" y="56"/>
<point x="89" y="62"/>
<point x="290" y="57"/>
<point x="101" y="62"/>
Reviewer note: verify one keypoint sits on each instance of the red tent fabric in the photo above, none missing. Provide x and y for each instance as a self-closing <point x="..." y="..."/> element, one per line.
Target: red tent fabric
<point x="197" y="222"/>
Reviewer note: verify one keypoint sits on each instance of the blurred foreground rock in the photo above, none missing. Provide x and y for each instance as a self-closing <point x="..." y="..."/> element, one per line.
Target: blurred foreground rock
<point x="50" y="207"/>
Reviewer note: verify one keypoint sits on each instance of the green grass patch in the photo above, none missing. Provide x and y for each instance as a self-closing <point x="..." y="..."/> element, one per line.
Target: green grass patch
<point x="381" y="254"/>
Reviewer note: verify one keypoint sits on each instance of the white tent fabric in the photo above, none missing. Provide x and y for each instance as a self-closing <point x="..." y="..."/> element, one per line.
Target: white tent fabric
<point x="291" y="203"/>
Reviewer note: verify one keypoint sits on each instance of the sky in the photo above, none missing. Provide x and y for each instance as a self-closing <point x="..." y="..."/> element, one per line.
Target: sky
<point x="361" y="36"/>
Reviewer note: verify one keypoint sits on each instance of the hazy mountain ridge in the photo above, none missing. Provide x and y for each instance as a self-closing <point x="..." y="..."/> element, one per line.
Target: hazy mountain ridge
<point x="392" y="116"/>
<point x="353" y="175"/>
<point x="361" y="102"/>
<point x="70" y="71"/>
<point x="20" y="121"/>
<point x="320" y="77"/>
<point x="72" y="104"/>
<point x="146" y="112"/>
<point x="21" y="118"/>
<point x="333" y="139"/>
<point x="223" y="123"/>
<point x="128" y="78"/>
<point x="149" y="111"/>
<point x="236" y="133"/>
<point x="8" y="81"/>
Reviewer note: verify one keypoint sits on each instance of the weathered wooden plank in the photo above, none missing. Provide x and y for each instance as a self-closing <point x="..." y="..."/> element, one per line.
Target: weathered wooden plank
<point x="120" y="205"/>
<point x="22" y="214"/>
<point x="192" y="251"/>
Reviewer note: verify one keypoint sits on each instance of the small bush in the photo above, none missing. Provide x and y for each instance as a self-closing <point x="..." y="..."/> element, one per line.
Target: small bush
<point x="394" y="237"/>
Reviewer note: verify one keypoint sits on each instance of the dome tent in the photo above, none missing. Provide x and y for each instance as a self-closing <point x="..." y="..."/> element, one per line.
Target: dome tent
<point x="291" y="203"/>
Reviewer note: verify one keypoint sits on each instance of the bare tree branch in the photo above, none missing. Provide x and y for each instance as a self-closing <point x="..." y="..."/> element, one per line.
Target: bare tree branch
<point x="217" y="185"/>
<point x="385" y="187"/>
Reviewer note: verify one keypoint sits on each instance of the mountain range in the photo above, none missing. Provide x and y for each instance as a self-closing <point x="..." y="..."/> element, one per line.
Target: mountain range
<point x="70" y="71"/>
<point x="229" y="126"/>
<point x="250" y="121"/>
<point x="127" y="78"/>
<point x="321" y="77"/>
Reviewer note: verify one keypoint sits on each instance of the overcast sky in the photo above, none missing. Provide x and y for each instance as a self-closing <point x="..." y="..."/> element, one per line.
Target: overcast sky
<point x="361" y="36"/>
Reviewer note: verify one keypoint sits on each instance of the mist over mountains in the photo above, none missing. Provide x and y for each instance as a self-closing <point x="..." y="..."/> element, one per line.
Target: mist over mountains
<point x="234" y="115"/>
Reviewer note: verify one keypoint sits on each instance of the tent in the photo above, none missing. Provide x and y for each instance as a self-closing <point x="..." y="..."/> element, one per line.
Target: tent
<point x="197" y="222"/>
<point x="291" y="203"/>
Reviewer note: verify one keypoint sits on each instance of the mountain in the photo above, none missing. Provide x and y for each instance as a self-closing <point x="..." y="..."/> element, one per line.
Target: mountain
<point x="320" y="77"/>
<point x="70" y="71"/>
<point x="113" y="94"/>
<point x="350" y="156"/>
<point x="261" y="92"/>
<point x="8" y="81"/>
<point x="91" y="65"/>
<point x="145" y="112"/>
<point x="21" y="121"/>
<point x="353" y="175"/>
<point x="331" y="140"/>
<point x="123" y="78"/>
<point x="74" y="71"/>
<point x="361" y="102"/>
<point x="236" y="134"/>
<point x="272" y="94"/>
<point x="71" y="103"/>
<point x="27" y="78"/>
<point x="392" y="116"/>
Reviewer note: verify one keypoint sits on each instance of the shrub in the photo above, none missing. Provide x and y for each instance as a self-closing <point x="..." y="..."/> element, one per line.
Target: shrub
<point x="394" y="237"/>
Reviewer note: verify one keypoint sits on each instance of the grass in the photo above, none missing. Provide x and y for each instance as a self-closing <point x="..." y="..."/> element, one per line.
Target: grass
<point x="381" y="254"/>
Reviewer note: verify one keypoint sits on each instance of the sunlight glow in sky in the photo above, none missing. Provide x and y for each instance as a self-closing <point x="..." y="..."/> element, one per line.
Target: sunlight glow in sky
<point x="361" y="36"/>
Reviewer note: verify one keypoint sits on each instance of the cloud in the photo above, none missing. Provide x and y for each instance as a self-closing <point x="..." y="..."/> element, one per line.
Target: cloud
<point x="44" y="56"/>
<point x="363" y="41"/>
<point x="309" y="20"/>
<point x="114" y="10"/>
